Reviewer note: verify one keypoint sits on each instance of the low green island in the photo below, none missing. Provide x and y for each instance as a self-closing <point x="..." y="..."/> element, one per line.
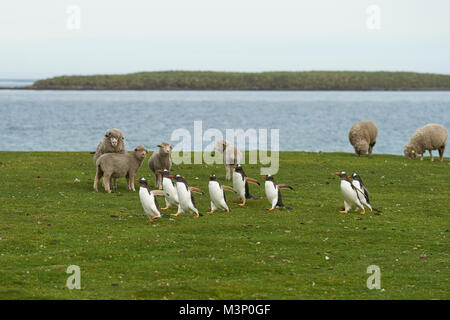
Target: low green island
<point x="205" y="80"/>
<point x="51" y="219"/>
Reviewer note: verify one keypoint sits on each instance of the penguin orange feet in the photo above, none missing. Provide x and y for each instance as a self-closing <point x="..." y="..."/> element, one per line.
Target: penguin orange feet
<point x="270" y="209"/>
<point x="211" y="212"/>
<point x="165" y="208"/>
<point x="363" y="212"/>
<point x="197" y="215"/>
<point x="175" y="214"/>
<point x="242" y="204"/>
<point x="344" y="211"/>
<point x="356" y="210"/>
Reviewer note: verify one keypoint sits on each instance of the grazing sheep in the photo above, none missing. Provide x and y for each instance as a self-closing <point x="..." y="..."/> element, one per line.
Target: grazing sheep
<point x="231" y="156"/>
<point x="160" y="160"/>
<point x="430" y="137"/>
<point x="117" y="165"/>
<point x="363" y="136"/>
<point x="111" y="143"/>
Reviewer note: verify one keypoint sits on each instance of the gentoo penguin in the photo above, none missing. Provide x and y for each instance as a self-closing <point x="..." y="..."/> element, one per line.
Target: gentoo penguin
<point x="362" y="190"/>
<point x="185" y="196"/>
<point x="148" y="200"/>
<point x="273" y="192"/>
<point x="351" y="195"/>
<point x="170" y="189"/>
<point x="217" y="194"/>
<point x="240" y="184"/>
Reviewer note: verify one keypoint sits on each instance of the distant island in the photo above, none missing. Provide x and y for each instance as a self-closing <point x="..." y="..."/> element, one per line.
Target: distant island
<point x="209" y="80"/>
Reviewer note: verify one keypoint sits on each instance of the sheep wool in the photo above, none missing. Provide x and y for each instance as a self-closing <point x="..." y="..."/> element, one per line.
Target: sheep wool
<point x="363" y="137"/>
<point x="429" y="137"/>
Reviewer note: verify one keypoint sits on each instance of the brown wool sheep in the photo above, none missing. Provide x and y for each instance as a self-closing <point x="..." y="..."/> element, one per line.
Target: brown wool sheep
<point x="363" y="136"/>
<point x="117" y="165"/>
<point x="113" y="142"/>
<point x="160" y="160"/>
<point x="430" y="137"/>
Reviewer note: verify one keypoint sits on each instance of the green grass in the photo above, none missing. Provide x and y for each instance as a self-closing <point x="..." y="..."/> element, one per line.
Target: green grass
<point x="208" y="80"/>
<point x="49" y="222"/>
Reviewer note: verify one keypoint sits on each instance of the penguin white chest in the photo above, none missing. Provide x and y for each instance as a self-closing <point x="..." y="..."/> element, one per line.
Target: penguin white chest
<point x="238" y="183"/>
<point x="347" y="191"/>
<point x="215" y="192"/>
<point x="171" y="191"/>
<point x="184" y="195"/>
<point x="148" y="202"/>
<point x="271" y="191"/>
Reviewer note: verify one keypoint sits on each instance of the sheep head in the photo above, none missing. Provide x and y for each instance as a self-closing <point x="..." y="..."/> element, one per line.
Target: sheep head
<point x="140" y="152"/>
<point x="114" y="136"/>
<point x="165" y="148"/>
<point x="410" y="151"/>
<point x="221" y="145"/>
<point x="361" y="147"/>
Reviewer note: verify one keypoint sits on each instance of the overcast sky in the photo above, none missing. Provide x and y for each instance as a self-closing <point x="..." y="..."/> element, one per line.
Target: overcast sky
<point x="45" y="38"/>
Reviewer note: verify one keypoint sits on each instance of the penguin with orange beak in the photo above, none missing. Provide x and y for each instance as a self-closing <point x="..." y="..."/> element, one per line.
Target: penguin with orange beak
<point x="352" y="197"/>
<point x="362" y="190"/>
<point x="170" y="189"/>
<point x="240" y="184"/>
<point x="148" y="200"/>
<point x="273" y="192"/>
<point x="186" y="197"/>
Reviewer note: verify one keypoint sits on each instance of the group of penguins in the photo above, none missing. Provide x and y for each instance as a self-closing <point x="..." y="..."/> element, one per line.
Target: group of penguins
<point x="177" y="192"/>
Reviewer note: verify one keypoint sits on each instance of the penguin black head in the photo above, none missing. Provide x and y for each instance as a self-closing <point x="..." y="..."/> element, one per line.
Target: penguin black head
<point x="355" y="176"/>
<point x="178" y="177"/>
<point x="238" y="168"/>
<point x="212" y="177"/>
<point x="268" y="177"/>
<point x="165" y="173"/>
<point x="142" y="181"/>
<point x="341" y="174"/>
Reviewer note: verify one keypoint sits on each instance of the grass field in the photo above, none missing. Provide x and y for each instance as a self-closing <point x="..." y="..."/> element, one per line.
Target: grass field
<point x="49" y="222"/>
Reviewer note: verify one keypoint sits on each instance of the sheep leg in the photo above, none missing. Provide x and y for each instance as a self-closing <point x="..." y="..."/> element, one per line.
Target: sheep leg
<point x="98" y="176"/>
<point x="156" y="180"/>
<point x="131" y="182"/>
<point x="431" y="155"/>
<point x="107" y="183"/>
<point x="227" y="170"/>
<point x="160" y="186"/>
<point x="421" y="157"/>
<point x="441" y="153"/>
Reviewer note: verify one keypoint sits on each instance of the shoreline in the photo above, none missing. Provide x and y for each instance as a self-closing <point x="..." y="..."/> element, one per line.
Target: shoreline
<point x="251" y="90"/>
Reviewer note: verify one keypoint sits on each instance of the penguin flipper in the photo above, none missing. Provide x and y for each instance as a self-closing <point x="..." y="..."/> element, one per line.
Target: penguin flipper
<point x="196" y="190"/>
<point x="228" y="188"/>
<point x="251" y="180"/>
<point x="159" y="193"/>
<point x="285" y="186"/>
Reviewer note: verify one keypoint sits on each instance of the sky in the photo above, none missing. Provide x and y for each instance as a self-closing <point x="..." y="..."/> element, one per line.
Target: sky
<point x="46" y="38"/>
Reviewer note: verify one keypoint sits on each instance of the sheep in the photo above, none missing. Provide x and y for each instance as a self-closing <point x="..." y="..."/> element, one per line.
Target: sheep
<point x="160" y="160"/>
<point x="430" y="137"/>
<point x="117" y="165"/>
<point x="363" y="136"/>
<point x="231" y="156"/>
<point x="111" y="143"/>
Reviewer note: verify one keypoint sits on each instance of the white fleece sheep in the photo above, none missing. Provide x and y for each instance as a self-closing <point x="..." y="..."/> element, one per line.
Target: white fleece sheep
<point x="430" y="137"/>
<point x="363" y="137"/>
<point x="231" y="155"/>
